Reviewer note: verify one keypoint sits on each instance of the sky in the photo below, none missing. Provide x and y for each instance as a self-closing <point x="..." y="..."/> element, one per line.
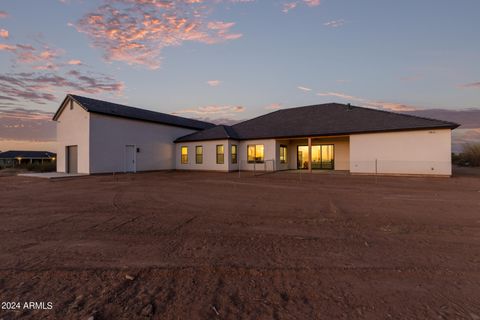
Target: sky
<point x="231" y="60"/>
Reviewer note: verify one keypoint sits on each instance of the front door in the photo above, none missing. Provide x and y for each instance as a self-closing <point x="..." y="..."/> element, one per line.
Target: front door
<point x="72" y="159"/>
<point x="130" y="159"/>
<point x="322" y="157"/>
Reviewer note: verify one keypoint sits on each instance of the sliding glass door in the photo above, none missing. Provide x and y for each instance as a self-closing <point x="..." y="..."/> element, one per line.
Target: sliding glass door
<point x="322" y="157"/>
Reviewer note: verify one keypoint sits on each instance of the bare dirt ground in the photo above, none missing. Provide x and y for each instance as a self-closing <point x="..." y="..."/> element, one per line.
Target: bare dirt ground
<point x="173" y="245"/>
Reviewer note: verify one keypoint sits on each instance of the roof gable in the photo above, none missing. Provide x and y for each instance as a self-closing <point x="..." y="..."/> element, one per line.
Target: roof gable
<point x="118" y="110"/>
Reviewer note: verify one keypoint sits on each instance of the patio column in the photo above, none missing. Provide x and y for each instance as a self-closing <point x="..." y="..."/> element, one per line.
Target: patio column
<point x="310" y="154"/>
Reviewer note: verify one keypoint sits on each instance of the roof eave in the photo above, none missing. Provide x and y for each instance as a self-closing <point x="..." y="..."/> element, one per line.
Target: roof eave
<point x="451" y="127"/>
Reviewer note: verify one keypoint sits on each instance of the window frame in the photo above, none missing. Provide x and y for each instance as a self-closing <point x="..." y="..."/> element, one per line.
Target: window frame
<point x="234" y="155"/>
<point x="285" y="157"/>
<point x="199" y="156"/>
<point x="255" y="153"/>
<point x="220" y="156"/>
<point x="184" y="157"/>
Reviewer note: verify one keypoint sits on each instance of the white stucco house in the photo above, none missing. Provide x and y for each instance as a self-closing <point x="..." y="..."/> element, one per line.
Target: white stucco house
<point x="96" y="136"/>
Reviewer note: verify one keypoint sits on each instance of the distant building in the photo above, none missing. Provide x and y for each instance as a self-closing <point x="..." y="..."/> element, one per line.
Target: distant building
<point x="15" y="158"/>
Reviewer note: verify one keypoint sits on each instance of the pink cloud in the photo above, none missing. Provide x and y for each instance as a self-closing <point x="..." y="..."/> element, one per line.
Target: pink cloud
<point x="213" y="110"/>
<point x="471" y="85"/>
<point x="74" y="62"/>
<point x="312" y="3"/>
<point x="274" y="106"/>
<point x="40" y="85"/>
<point x="136" y="31"/>
<point x="392" y="106"/>
<point x="289" y="6"/>
<point x="4" y="33"/>
<point x="3" y="14"/>
<point x="214" y="83"/>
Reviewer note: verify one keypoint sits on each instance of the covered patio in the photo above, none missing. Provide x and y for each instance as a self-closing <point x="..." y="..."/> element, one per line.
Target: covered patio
<point x="314" y="153"/>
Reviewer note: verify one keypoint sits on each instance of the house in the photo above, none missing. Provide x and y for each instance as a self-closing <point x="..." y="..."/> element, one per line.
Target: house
<point x="14" y="158"/>
<point x="97" y="137"/>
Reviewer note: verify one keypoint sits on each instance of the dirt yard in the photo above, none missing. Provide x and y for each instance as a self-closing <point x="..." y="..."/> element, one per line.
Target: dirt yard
<point x="174" y="245"/>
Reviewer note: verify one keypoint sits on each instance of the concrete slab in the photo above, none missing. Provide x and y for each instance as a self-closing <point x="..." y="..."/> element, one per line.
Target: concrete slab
<point x="52" y="175"/>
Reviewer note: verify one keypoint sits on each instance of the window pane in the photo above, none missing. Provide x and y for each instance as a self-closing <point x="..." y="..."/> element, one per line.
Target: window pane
<point x="199" y="155"/>
<point x="220" y="154"/>
<point x="184" y="159"/>
<point x="234" y="153"/>
<point x="283" y="154"/>
<point x="259" y="155"/>
<point x="251" y="153"/>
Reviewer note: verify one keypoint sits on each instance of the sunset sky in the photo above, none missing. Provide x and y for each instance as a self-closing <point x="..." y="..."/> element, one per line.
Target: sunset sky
<point x="228" y="60"/>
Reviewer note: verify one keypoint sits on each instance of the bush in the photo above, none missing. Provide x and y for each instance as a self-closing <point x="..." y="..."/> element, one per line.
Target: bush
<point x="471" y="153"/>
<point x="39" y="167"/>
<point x="469" y="157"/>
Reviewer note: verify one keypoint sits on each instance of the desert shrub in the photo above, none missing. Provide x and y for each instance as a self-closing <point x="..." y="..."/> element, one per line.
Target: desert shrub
<point x="471" y="154"/>
<point x="41" y="167"/>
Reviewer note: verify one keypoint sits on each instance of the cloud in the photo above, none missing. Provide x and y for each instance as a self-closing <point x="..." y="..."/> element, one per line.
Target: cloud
<point x="136" y="31"/>
<point x="41" y="88"/>
<point x="75" y="62"/>
<point x="287" y="6"/>
<point x="213" y="83"/>
<point x="212" y="110"/>
<point x="40" y="85"/>
<point x="3" y="14"/>
<point x="304" y="88"/>
<point x="471" y="85"/>
<point x="335" y="23"/>
<point x="24" y="124"/>
<point x="4" y="33"/>
<point x="312" y="3"/>
<point x="274" y="106"/>
<point x="385" y="105"/>
<point x="42" y="58"/>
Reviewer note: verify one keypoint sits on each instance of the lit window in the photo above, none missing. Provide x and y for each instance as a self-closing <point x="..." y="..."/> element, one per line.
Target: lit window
<point x="234" y="153"/>
<point x="220" y="154"/>
<point x="255" y="153"/>
<point x="283" y="154"/>
<point x="198" y="154"/>
<point x="184" y="155"/>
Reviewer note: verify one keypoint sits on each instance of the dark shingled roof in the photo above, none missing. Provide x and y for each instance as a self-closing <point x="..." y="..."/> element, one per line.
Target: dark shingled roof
<point x="13" y="154"/>
<point x="323" y="120"/>
<point x="214" y="133"/>
<point x="118" y="110"/>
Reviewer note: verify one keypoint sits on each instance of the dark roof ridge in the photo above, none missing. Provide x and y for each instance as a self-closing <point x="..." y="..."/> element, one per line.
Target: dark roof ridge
<point x="125" y="111"/>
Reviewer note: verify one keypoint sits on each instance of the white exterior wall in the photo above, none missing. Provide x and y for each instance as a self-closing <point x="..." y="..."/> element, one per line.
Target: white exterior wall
<point x="209" y="156"/>
<point x="109" y="136"/>
<point x="269" y="150"/>
<point x="73" y="128"/>
<point x="408" y="152"/>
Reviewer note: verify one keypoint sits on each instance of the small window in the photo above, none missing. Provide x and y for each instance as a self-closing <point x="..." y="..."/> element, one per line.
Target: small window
<point x="220" y="154"/>
<point x="255" y="153"/>
<point x="71" y="105"/>
<point x="184" y="155"/>
<point x="198" y="154"/>
<point x="234" y="153"/>
<point x="283" y="154"/>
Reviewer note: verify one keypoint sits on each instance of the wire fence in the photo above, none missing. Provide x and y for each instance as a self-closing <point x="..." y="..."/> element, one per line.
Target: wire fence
<point x="366" y="167"/>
